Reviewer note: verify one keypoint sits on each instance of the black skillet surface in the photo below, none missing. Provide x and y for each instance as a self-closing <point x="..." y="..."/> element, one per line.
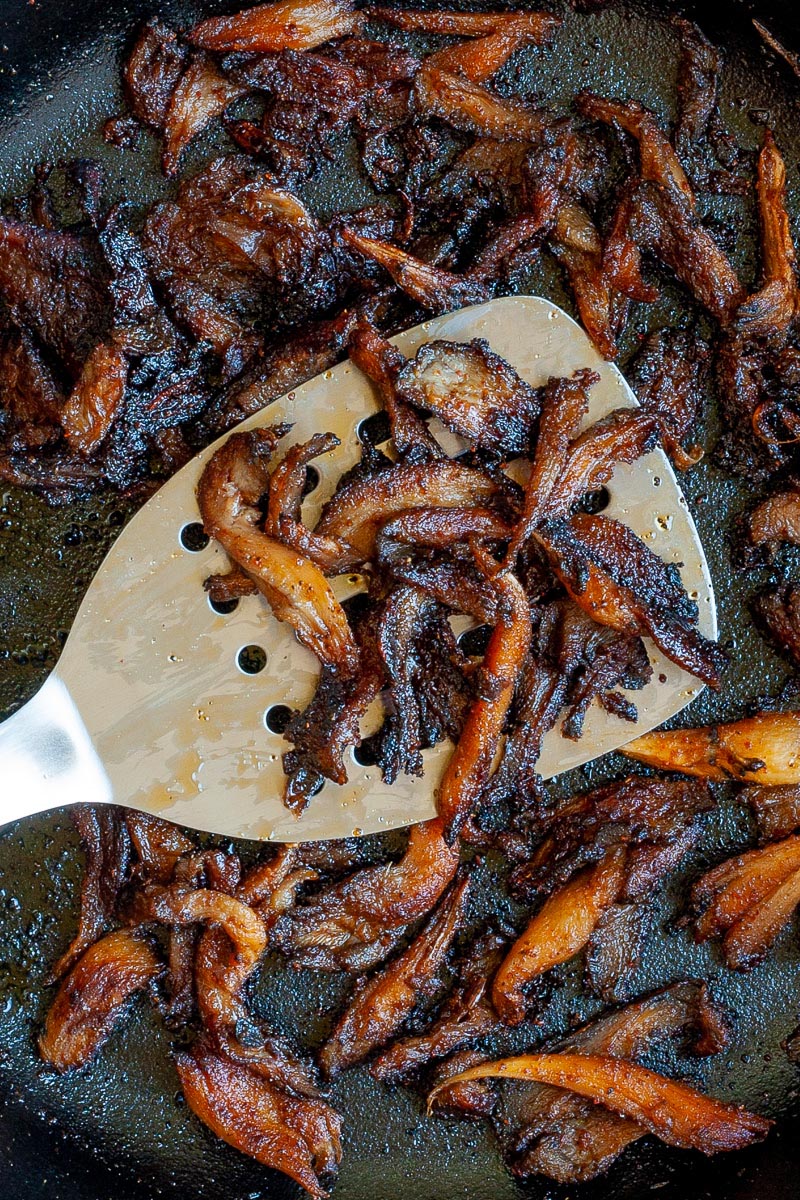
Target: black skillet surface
<point x="120" y="1129"/>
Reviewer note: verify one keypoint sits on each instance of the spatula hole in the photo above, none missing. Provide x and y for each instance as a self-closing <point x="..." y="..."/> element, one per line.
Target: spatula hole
<point x="312" y="480"/>
<point x="251" y="659"/>
<point x="474" y="641"/>
<point x="223" y="607"/>
<point x="374" y="430"/>
<point x="194" y="538"/>
<point x="277" y="718"/>
<point x="365" y="754"/>
<point x="594" y="502"/>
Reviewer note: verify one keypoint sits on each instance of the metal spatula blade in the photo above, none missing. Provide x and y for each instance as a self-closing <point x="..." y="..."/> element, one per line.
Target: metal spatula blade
<point x="149" y="707"/>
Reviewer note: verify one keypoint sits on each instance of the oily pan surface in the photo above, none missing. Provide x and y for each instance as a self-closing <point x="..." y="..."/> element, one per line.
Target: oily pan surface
<point x="125" y="1109"/>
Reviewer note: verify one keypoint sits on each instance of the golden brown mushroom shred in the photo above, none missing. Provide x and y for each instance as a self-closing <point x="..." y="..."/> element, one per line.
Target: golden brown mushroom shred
<point x="125" y="348"/>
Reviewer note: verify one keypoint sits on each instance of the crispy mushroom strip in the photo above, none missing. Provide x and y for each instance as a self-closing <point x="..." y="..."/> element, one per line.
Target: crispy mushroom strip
<point x="576" y="243"/>
<point x="103" y="833"/>
<point x="478" y="61"/>
<point x="381" y="1005"/>
<point x="353" y="924"/>
<point x="366" y="502"/>
<point x="382" y="362"/>
<point x="439" y="529"/>
<point x="631" y="835"/>
<point x="93" y="995"/>
<point x="322" y="732"/>
<point x="498" y="34"/>
<point x="452" y="582"/>
<point x="286" y="25"/>
<point x="53" y="284"/>
<point x="699" y="125"/>
<point x="296" y="1135"/>
<point x="622" y="254"/>
<point x="561" y="928"/>
<point x="777" y="519"/>
<point x="764" y="749"/>
<point x="287" y="484"/>
<point x="97" y="398"/>
<point x="474" y="392"/>
<point x="202" y="93"/>
<point x="572" y="660"/>
<point x="664" y="224"/>
<point x="546" y="1131"/>
<point x="749" y="899"/>
<point x="564" y="406"/>
<point x="656" y="818"/>
<point x="472" y="108"/>
<point x="230" y="487"/>
<point x="616" y="948"/>
<point x="476" y="1098"/>
<point x="221" y="974"/>
<point x="152" y="71"/>
<point x="469" y="768"/>
<point x="181" y="905"/>
<point x="316" y="348"/>
<point x="211" y="868"/>
<point x="668" y="375"/>
<point x="227" y="952"/>
<point x="430" y="286"/>
<point x="659" y="163"/>
<point x="674" y="1112"/>
<point x="429" y="693"/>
<point x="770" y="312"/>
<point x="594" y="661"/>
<point x="467" y="1014"/>
<point x="158" y="845"/>
<point x="619" y="582"/>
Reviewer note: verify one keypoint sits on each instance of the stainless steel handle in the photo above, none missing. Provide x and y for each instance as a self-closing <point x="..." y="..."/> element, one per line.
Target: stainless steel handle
<point x="47" y="758"/>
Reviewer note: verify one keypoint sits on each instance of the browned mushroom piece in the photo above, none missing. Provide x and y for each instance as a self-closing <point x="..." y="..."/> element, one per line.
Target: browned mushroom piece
<point x="232" y="483"/>
<point x="285" y="25"/>
<point x="355" y="923"/>
<point x="92" y="996"/>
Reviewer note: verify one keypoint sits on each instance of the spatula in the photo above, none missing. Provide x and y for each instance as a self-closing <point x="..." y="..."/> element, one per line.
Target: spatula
<point x="154" y="703"/>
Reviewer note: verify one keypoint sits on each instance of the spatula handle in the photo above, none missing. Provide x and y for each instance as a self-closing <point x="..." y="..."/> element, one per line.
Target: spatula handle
<point x="47" y="758"/>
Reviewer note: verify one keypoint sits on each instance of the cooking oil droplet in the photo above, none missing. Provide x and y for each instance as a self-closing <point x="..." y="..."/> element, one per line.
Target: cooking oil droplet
<point x="664" y="522"/>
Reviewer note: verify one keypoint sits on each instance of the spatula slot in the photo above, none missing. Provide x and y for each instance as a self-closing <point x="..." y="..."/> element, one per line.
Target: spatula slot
<point x="193" y="537"/>
<point x="312" y="480"/>
<point x="374" y="430"/>
<point x="277" y="717"/>
<point x="251" y="660"/>
<point x="223" y="608"/>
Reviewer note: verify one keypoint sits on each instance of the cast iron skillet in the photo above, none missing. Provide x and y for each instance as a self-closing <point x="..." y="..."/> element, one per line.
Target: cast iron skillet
<point x="120" y="1128"/>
